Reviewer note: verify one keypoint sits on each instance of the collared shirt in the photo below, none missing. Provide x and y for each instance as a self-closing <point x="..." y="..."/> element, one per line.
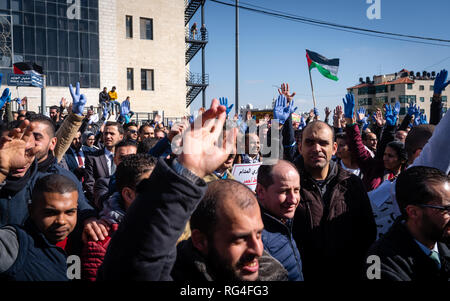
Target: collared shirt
<point x="356" y="172"/>
<point x="109" y="161"/>
<point x="83" y="158"/>
<point x="425" y="249"/>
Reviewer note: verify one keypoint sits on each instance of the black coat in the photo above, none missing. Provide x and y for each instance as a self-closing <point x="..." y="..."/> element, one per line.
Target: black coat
<point x="333" y="229"/>
<point x="403" y="260"/>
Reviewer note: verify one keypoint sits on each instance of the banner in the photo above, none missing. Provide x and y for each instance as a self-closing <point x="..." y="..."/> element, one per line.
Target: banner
<point x="247" y="174"/>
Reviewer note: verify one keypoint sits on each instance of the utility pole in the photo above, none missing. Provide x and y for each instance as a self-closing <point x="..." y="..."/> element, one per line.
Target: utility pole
<point x="236" y="105"/>
<point x="203" y="59"/>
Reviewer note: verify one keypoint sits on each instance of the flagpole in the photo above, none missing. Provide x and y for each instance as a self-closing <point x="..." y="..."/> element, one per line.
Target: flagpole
<point x="312" y="88"/>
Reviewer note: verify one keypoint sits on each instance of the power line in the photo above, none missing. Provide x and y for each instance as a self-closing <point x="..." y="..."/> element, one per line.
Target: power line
<point x="335" y="26"/>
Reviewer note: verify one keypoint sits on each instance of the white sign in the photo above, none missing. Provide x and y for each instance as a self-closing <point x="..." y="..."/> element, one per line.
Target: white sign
<point x="246" y="174"/>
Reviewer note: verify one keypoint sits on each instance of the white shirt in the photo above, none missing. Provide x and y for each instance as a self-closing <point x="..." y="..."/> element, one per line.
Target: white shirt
<point x="109" y="161"/>
<point x="356" y="171"/>
<point x="83" y="158"/>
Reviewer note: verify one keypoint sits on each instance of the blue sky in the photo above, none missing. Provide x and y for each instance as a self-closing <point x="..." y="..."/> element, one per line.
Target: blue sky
<point x="272" y="50"/>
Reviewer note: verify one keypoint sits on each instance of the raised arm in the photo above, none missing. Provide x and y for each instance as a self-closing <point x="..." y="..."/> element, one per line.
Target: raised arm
<point x="144" y="247"/>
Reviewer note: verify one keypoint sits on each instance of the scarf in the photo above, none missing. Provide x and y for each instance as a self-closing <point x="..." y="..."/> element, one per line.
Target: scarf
<point x="14" y="184"/>
<point x="45" y="165"/>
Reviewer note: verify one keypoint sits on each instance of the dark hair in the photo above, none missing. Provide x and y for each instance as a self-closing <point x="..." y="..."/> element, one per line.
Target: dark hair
<point x="206" y="216"/>
<point x="147" y="144"/>
<point x="341" y="136"/>
<point x="131" y="123"/>
<point x="54" y="108"/>
<point x="413" y="186"/>
<point x="141" y="128"/>
<point x="130" y="169"/>
<point x="417" y="138"/>
<point x="46" y="120"/>
<point x="56" y="183"/>
<point x="400" y="150"/>
<point x="127" y="142"/>
<point x="116" y="124"/>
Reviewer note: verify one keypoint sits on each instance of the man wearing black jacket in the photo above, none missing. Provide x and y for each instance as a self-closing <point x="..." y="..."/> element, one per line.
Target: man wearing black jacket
<point x="144" y="246"/>
<point x="413" y="247"/>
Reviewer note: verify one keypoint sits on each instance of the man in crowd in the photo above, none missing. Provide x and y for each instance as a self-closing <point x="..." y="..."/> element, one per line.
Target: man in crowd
<point x="146" y="131"/>
<point x="278" y="193"/>
<point x="167" y="200"/>
<point x="334" y="225"/>
<point x="412" y="249"/>
<point x="75" y="156"/>
<point x="370" y="141"/>
<point x="55" y="115"/>
<point x="130" y="172"/>
<point x="131" y="131"/>
<point x="35" y="251"/>
<point x="101" y="164"/>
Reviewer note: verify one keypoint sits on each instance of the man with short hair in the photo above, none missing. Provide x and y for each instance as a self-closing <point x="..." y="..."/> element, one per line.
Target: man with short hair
<point x="55" y="115"/>
<point x="160" y="134"/>
<point x="278" y="193"/>
<point x="101" y="163"/>
<point x="35" y="251"/>
<point x="370" y="141"/>
<point x="145" y="246"/>
<point x="131" y="131"/>
<point x="130" y="172"/>
<point x="334" y="225"/>
<point x="146" y="131"/>
<point x="412" y="249"/>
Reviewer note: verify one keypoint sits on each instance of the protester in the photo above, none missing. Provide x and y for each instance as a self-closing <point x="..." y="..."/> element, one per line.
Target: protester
<point x="114" y="104"/>
<point x="35" y="251"/>
<point x="278" y="193"/>
<point x="146" y="131"/>
<point x="334" y="226"/>
<point x="412" y="249"/>
<point x="129" y="173"/>
<point x="344" y="156"/>
<point x="131" y="131"/>
<point x="101" y="164"/>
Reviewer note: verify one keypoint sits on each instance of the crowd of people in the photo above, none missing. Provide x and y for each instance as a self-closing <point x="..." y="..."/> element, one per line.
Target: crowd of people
<point x="157" y="202"/>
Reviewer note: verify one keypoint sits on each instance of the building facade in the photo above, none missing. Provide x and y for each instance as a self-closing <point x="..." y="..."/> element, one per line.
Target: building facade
<point x="404" y="86"/>
<point x="137" y="46"/>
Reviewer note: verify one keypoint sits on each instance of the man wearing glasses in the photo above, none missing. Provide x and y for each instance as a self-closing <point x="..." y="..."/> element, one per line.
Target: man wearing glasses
<point x="417" y="245"/>
<point x="131" y="131"/>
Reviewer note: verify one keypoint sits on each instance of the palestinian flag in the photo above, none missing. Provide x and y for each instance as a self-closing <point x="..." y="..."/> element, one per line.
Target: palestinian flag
<point x="328" y="68"/>
<point x="27" y="68"/>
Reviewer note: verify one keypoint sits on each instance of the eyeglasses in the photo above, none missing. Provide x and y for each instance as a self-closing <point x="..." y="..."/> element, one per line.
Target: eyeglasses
<point x="442" y="208"/>
<point x="132" y="131"/>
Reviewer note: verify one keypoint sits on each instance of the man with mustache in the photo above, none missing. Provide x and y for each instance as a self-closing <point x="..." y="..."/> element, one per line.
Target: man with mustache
<point x="334" y="226"/>
<point x="413" y="247"/>
<point x="226" y="226"/>
<point x="35" y="251"/>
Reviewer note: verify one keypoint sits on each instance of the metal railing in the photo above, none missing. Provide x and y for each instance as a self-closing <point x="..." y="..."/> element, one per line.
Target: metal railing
<point x="195" y="79"/>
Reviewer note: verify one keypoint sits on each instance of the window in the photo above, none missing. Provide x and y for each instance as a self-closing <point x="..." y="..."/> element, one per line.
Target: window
<point x="392" y="87"/>
<point x="402" y="111"/>
<point x="431" y="88"/>
<point x="410" y="87"/>
<point x="147" y="80"/>
<point x="444" y="98"/>
<point x="421" y="88"/>
<point x="422" y="99"/>
<point x="146" y="29"/>
<point x="392" y="99"/>
<point x="407" y="98"/>
<point x="129" y="27"/>
<point x="130" y="79"/>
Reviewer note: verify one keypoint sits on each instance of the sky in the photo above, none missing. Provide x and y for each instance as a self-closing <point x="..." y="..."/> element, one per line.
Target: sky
<point x="272" y="50"/>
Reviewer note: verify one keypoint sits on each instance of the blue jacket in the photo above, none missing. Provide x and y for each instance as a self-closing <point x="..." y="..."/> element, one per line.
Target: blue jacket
<point x="278" y="242"/>
<point x="37" y="259"/>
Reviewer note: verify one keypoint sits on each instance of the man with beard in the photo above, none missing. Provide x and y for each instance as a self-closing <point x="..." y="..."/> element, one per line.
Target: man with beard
<point x="144" y="247"/>
<point x="226" y="239"/>
<point x="412" y="249"/>
<point x="334" y="226"/>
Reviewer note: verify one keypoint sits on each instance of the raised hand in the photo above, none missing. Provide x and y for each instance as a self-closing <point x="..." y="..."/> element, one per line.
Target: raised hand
<point x="423" y="119"/>
<point x="391" y="115"/>
<point x="411" y="109"/>
<point x="224" y="102"/>
<point x="302" y="123"/>
<point x="440" y="82"/>
<point x="281" y="111"/>
<point x="327" y="112"/>
<point x="361" y="114"/>
<point x="397" y="108"/>
<point x="242" y="125"/>
<point x="6" y="97"/>
<point x="79" y="100"/>
<point x="16" y="149"/>
<point x="200" y="152"/>
<point x="285" y="91"/>
<point x="349" y="105"/>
